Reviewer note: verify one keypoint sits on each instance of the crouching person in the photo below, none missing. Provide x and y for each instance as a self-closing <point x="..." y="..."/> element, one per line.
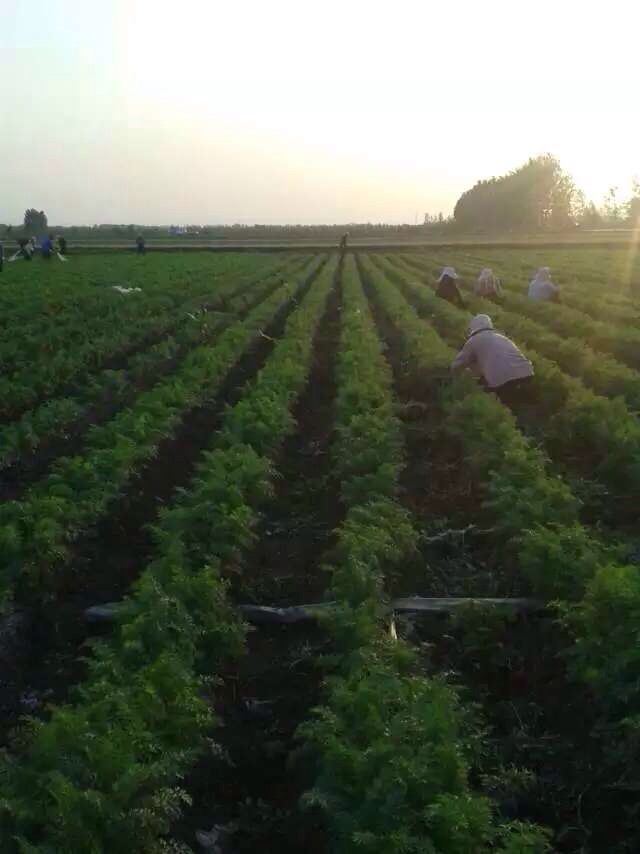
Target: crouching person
<point x="488" y="285"/>
<point x="503" y="369"/>
<point x="542" y="289"/>
<point x="447" y="287"/>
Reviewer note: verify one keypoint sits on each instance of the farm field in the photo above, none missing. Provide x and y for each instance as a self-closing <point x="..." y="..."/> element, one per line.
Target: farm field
<point x="229" y="436"/>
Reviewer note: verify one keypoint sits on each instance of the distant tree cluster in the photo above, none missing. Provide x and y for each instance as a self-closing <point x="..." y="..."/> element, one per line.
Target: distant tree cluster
<point x="537" y="195"/>
<point x="35" y="222"/>
<point x="540" y="196"/>
<point x="615" y="211"/>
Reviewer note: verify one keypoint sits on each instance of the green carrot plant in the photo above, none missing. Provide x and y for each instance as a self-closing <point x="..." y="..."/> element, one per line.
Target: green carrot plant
<point x="535" y="516"/>
<point x="38" y="532"/>
<point x="54" y="418"/>
<point x="104" y="772"/>
<point x="393" y="746"/>
<point x="582" y="430"/>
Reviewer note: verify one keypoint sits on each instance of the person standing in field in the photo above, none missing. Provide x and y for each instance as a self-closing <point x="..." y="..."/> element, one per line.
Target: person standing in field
<point x="488" y="285"/>
<point x="447" y="287"/>
<point x="541" y="288"/>
<point x="140" y="245"/>
<point x="343" y="242"/>
<point x="61" y="247"/>
<point x="503" y="368"/>
<point x="46" y="247"/>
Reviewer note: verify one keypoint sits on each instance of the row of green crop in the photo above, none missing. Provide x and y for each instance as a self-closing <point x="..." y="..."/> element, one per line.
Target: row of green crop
<point x="47" y="366"/>
<point x="54" y="418"/>
<point x="582" y="273"/>
<point x="67" y="304"/>
<point x="598" y="436"/>
<point x="602" y="373"/>
<point x="535" y="516"/>
<point x="590" y="290"/>
<point x="623" y="342"/>
<point x="68" y="324"/>
<point x="393" y="746"/>
<point x="37" y="533"/>
<point x="103" y="774"/>
<point x="590" y="282"/>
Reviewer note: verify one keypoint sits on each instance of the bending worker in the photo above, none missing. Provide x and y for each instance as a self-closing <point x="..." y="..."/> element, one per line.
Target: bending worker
<point x="488" y="285"/>
<point x="502" y="367"/>
<point x="448" y="287"/>
<point x="542" y="288"/>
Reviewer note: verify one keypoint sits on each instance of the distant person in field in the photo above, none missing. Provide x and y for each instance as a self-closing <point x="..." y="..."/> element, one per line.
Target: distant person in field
<point x="541" y="288"/>
<point x="448" y="287"/>
<point x="343" y="242"/>
<point x="61" y="245"/>
<point x="488" y="285"/>
<point x="25" y="249"/>
<point x="503" y="369"/>
<point x="140" y="245"/>
<point x="46" y="247"/>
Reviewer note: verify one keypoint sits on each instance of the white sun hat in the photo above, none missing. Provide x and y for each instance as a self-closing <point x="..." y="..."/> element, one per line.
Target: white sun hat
<point x="448" y="271"/>
<point x="479" y="323"/>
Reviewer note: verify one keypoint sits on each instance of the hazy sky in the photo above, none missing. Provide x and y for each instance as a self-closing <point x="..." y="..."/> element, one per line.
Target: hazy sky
<point x="282" y="111"/>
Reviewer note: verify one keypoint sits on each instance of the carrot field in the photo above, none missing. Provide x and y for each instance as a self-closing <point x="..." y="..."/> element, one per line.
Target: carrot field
<point x="249" y="528"/>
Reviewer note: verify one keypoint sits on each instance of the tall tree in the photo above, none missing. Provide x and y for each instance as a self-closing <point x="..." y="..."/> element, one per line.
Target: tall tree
<point x="633" y="205"/>
<point x="35" y="221"/>
<point x="537" y="194"/>
<point x="612" y="206"/>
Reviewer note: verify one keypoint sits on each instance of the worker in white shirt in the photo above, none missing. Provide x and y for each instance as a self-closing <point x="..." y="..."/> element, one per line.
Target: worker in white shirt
<point x="541" y="288"/>
<point x="487" y="285"/>
<point x="503" y="369"/>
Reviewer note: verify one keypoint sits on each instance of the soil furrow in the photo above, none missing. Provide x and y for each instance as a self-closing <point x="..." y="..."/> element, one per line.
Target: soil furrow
<point x="536" y="716"/>
<point x="42" y="658"/>
<point x="255" y="784"/>
<point x="456" y="557"/>
<point x="17" y="478"/>
<point x="120" y="359"/>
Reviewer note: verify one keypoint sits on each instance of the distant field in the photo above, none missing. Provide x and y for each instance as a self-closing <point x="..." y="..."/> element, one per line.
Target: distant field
<point x="598" y="237"/>
<point x="249" y="429"/>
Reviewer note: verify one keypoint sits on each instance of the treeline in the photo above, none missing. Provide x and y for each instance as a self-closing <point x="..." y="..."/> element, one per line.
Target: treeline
<point x="225" y="232"/>
<point x="536" y="195"/>
<point x="540" y="196"/>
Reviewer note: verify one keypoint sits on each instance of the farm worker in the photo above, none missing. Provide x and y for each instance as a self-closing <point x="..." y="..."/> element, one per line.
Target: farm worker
<point x="140" y="246"/>
<point x="25" y="250"/>
<point x="46" y="247"/>
<point x="61" y="247"/>
<point x="502" y="367"/>
<point x="448" y="288"/>
<point x="343" y="241"/>
<point x="542" y="288"/>
<point x="487" y="285"/>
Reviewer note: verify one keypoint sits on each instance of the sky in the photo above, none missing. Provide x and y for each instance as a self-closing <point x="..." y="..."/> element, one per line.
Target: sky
<point x="197" y="111"/>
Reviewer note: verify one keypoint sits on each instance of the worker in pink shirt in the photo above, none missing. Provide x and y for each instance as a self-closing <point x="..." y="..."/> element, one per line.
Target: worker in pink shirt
<point x="503" y="368"/>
